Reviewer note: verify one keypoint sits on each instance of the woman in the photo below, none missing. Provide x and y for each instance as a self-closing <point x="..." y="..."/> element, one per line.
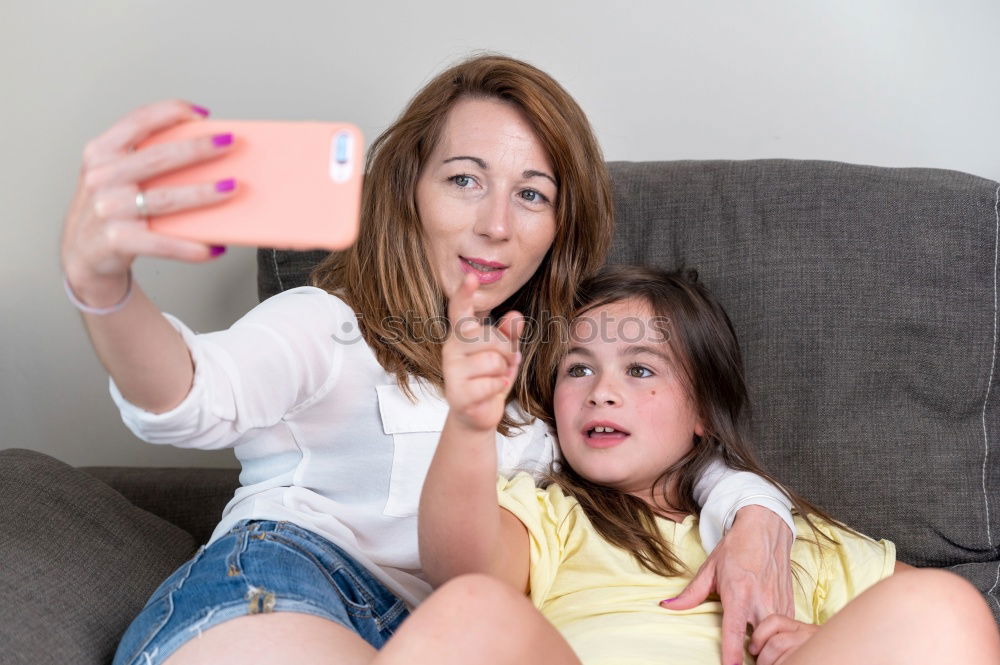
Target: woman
<point x="491" y="169"/>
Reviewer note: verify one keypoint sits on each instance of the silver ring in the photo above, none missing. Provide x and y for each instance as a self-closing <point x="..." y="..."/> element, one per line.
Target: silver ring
<point x="140" y="204"/>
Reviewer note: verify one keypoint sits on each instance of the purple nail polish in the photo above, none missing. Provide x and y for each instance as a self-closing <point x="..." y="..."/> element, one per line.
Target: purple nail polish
<point x="200" y="110"/>
<point x="225" y="185"/>
<point x="218" y="250"/>
<point x="667" y="600"/>
<point x="222" y="140"/>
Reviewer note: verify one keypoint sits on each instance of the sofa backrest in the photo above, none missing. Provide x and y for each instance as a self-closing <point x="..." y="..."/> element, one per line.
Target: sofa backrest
<point x="865" y="302"/>
<point x="865" y="299"/>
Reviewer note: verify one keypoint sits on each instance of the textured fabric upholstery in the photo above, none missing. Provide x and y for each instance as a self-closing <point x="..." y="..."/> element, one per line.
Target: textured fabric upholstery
<point x="77" y="561"/>
<point x="191" y="498"/>
<point x="280" y="270"/>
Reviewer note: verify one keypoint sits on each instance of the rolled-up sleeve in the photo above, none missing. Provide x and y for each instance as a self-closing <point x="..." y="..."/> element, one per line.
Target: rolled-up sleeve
<point x="279" y="358"/>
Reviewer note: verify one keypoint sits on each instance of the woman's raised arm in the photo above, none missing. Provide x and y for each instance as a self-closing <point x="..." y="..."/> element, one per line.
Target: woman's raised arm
<point x="105" y="231"/>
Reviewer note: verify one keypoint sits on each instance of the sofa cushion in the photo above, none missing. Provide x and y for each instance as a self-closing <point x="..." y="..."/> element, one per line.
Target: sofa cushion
<point x="77" y="561"/>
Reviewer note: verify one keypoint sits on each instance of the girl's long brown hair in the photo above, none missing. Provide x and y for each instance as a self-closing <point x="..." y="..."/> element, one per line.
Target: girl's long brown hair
<point x="386" y="276"/>
<point x="702" y="338"/>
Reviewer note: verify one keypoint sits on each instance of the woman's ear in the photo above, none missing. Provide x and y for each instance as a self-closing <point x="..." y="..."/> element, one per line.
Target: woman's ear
<point x="699" y="430"/>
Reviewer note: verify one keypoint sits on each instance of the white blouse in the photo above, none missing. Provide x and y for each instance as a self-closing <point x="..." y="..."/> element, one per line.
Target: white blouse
<point x="327" y="440"/>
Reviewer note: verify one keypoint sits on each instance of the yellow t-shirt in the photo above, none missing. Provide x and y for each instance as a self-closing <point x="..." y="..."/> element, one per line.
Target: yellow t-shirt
<point x="607" y="606"/>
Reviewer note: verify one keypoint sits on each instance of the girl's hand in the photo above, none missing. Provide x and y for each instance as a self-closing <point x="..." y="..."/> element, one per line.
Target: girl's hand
<point x="103" y="231"/>
<point x="480" y="362"/>
<point x="777" y="637"/>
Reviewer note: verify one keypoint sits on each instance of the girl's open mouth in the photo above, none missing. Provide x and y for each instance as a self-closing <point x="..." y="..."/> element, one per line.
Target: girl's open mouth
<point x="603" y="436"/>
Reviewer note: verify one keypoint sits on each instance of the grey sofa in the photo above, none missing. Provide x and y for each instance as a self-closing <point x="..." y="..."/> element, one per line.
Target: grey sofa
<point x="866" y="302"/>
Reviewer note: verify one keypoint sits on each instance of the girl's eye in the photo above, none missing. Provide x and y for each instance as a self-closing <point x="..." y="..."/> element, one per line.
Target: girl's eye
<point x="577" y="370"/>
<point x="533" y="196"/>
<point x="639" y="372"/>
<point x="462" y="180"/>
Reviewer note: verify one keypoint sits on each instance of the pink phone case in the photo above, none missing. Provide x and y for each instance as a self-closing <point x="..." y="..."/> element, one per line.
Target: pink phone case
<point x="298" y="185"/>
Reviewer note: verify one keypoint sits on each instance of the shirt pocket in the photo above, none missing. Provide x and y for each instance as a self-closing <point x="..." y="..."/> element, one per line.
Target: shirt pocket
<point x="415" y="427"/>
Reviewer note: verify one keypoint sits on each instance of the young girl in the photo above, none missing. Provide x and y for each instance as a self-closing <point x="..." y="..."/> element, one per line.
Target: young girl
<point x="648" y="391"/>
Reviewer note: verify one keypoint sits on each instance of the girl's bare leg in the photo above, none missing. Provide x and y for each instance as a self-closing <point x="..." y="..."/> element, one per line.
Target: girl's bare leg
<point x="476" y="620"/>
<point x="921" y="616"/>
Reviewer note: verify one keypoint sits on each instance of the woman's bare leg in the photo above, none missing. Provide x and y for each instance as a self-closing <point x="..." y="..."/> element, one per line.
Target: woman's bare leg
<point x="921" y="616"/>
<point x="476" y="620"/>
<point x="276" y="637"/>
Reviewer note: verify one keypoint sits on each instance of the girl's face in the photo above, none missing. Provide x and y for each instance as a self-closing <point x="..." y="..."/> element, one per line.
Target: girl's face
<point x="486" y="199"/>
<point x="621" y="375"/>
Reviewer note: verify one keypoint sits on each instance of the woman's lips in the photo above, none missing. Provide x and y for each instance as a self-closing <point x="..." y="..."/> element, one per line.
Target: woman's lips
<point x="486" y="274"/>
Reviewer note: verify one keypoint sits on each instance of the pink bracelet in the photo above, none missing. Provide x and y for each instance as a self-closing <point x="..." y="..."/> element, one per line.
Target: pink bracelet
<point x="99" y="311"/>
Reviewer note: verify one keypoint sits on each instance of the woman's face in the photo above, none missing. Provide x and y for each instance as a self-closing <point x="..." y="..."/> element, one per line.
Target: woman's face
<point x="623" y="413"/>
<point x="486" y="199"/>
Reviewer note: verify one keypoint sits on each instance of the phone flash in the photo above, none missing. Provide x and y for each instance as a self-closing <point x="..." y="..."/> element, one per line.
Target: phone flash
<point x="341" y="149"/>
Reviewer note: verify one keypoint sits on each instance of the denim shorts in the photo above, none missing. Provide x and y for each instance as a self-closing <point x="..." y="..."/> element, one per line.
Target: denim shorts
<point x="260" y="566"/>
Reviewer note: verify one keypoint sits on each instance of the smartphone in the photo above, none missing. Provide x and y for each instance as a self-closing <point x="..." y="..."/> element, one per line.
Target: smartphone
<point x="298" y="185"/>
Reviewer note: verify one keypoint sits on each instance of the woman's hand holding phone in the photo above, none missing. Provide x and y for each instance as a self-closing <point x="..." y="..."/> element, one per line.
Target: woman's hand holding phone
<point x="104" y="231"/>
<point x="145" y="189"/>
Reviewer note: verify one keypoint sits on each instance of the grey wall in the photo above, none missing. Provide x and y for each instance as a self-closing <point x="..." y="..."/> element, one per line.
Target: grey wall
<point x="896" y="83"/>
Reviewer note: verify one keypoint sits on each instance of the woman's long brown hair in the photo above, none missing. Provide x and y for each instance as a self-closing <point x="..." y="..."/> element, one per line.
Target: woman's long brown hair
<point x="702" y="338"/>
<point x="386" y="276"/>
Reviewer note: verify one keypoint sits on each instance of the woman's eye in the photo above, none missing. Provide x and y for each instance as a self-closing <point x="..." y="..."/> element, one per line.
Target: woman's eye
<point x="639" y="372"/>
<point x="534" y="196"/>
<point x="577" y="370"/>
<point x="462" y="181"/>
